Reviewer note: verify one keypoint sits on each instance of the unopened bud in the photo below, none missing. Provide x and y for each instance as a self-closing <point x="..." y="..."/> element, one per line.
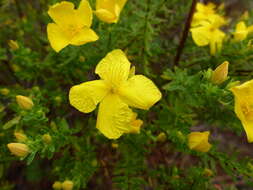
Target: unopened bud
<point x="82" y="59"/>
<point x="21" y="137"/>
<point x="161" y="137"/>
<point x="4" y="91"/>
<point x="13" y="44"/>
<point x="24" y="102"/>
<point x="57" y="185"/>
<point x="207" y="172"/>
<point x="115" y="145"/>
<point x="47" y="138"/>
<point x="67" y="185"/>
<point x="18" y="149"/>
<point x="220" y="73"/>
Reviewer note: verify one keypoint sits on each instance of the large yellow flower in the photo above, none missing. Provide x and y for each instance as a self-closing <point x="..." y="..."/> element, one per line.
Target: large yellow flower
<point x="244" y="106"/>
<point x="72" y="26"/>
<point x="242" y="31"/>
<point x="199" y="141"/>
<point x="117" y="89"/>
<point x="109" y="10"/>
<point x="208" y="32"/>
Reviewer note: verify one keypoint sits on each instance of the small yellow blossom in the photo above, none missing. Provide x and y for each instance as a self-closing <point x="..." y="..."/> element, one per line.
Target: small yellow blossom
<point x="244" y="106"/>
<point x="242" y="31"/>
<point x="18" y="149"/>
<point x="115" y="92"/>
<point x="207" y="172"/>
<point x="67" y="185"/>
<point x="20" y="136"/>
<point x="13" y="45"/>
<point x="208" y="32"/>
<point x="109" y="10"/>
<point x="72" y="26"/>
<point x="161" y="137"/>
<point x="47" y="138"/>
<point x="115" y="145"/>
<point x="220" y="74"/>
<point x="4" y="91"/>
<point x="199" y="141"/>
<point x="57" y="185"/>
<point x="24" y="102"/>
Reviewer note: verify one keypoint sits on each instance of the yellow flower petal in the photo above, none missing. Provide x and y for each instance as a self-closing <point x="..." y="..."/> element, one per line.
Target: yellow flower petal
<point x="139" y="92"/>
<point x="114" y="68"/>
<point x="106" y="4"/>
<point x="84" y="36"/>
<point x="85" y="12"/>
<point x="62" y="12"/>
<point x="67" y="17"/>
<point x="241" y="31"/>
<point x="201" y="36"/>
<point x="106" y="16"/>
<point x="121" y="3"/>
<point x="56" y="37"/>
<point x="244" y="106"/>
<point x="114" y="117"/>
<point x="86" y="96"/>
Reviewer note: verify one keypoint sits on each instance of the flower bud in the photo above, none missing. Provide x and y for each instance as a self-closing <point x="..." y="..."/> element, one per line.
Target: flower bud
<point x="219" y="75"/>
<point x="13" y="44"/>
<point x="115" y="145"/>
<point x="24" y="102"/>
<point x="18" y="149"/>
<point x="82" y="59"/>
<point x="57" y="185"/>
<point x="4" y="91"/>
<point x="47" y="138"/>
<point x="161" y="137"/>
<point x="21" y="137"/>
<point x="67" y="185"/>
<point x="199" y="141"/>
<point x="207" y="172"/>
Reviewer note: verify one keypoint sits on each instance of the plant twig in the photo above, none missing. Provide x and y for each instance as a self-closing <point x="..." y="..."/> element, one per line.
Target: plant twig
<point x="185" y="32"/>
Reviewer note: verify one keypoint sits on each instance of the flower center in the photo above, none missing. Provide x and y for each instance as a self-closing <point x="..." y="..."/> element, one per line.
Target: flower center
<point x="72" y="30"/>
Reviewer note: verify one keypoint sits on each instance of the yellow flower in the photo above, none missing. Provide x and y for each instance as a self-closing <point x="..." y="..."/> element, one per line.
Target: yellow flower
<point x="220" y="74"/>
<point x="207" y="32"/>
<point x="115" y="92"/>
<point x="242" y="31"/>
<point x="57" y="185"/>
<point x="24" y="102"/>
<point x="18" y="149"/>
<point x="67" y="185"/>
<point x="199" y="141"/>
<point x="72" y="26"/>
<point x="109" y="10"/>
<point x="244" y="106"/>
<point x="203" y="12"/>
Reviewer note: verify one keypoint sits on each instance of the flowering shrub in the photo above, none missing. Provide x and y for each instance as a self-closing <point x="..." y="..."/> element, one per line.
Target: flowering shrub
<point x="117" y="94"/>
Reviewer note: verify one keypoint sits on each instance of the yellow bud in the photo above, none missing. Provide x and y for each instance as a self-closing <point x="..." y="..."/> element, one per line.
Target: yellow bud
<point x="94" y="163"/>
<point x="115" y="145"/>
<point x="219" y="75"/>
<point x="57" y="185"/>
<point x="4" y="91"/>
<point x="47" y="138"/>
<point x="82" y="59"/>
<point x="18" y="149"/>
<point x="24" y="102"/>
<point x="13" y="44"/>
<point x="199" y="141"/>
<point x="21" y="137"/>
<point x="161" y="137"/>
<point x="207" y="172"/>
<point x="67" y="185"/>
